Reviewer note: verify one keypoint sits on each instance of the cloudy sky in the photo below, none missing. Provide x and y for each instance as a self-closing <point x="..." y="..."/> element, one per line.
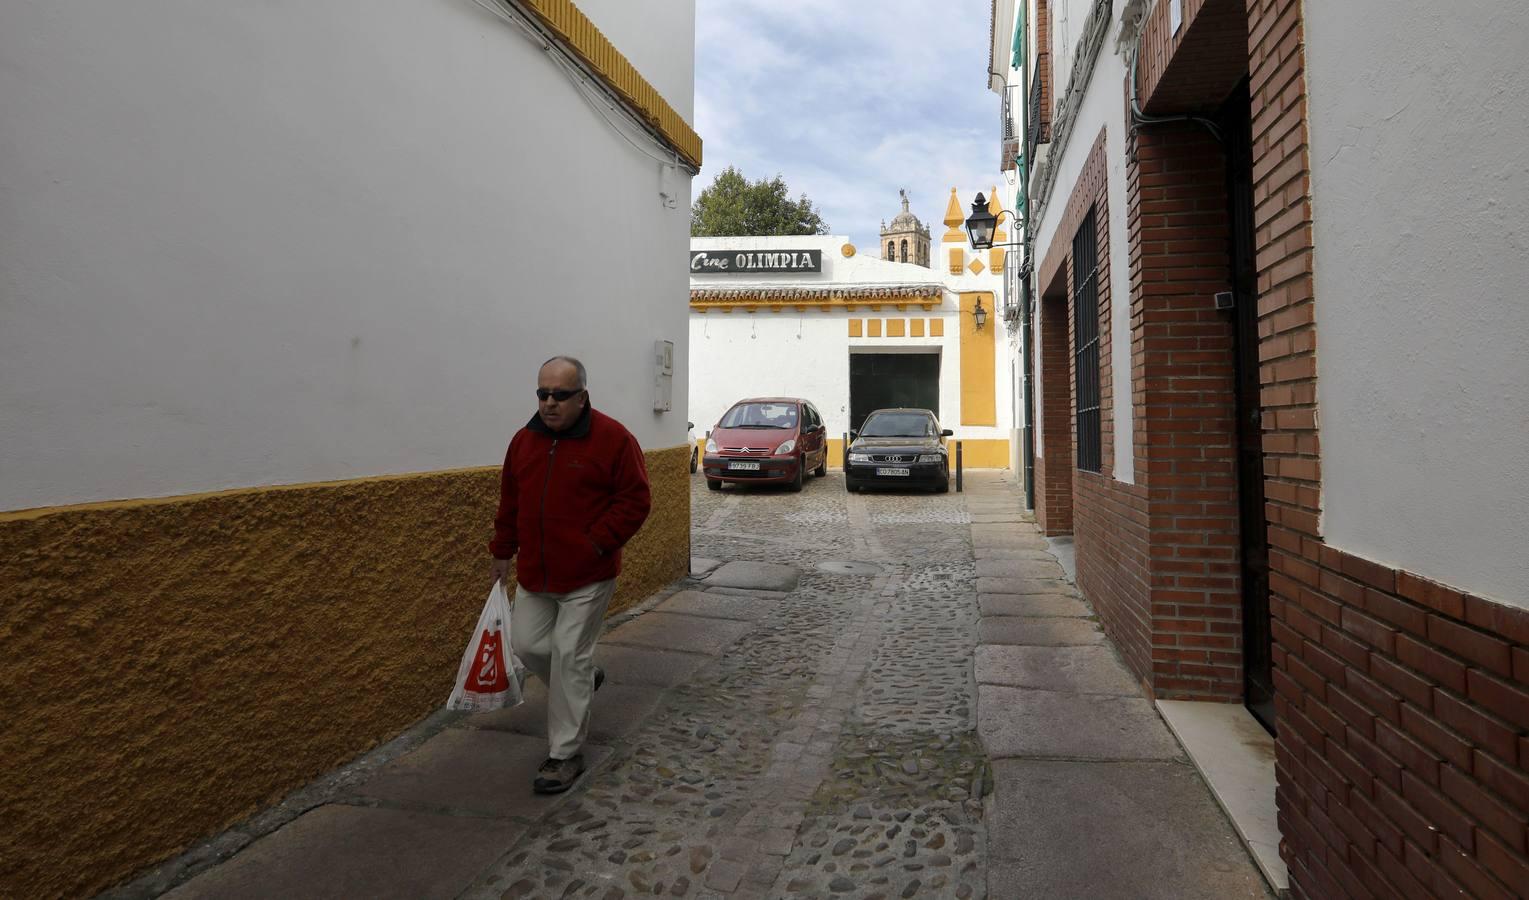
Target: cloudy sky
<point x="850" y="100"/>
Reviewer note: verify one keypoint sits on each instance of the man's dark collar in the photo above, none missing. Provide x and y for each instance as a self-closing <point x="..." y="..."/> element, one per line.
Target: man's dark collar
<point x="579" y="429"/>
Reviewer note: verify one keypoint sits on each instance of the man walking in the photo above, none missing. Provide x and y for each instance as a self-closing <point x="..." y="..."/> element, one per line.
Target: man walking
<point x="573" y="492"/>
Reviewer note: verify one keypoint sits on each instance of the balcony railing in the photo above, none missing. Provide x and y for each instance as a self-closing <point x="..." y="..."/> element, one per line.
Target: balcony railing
<point x="1039" y="119"/>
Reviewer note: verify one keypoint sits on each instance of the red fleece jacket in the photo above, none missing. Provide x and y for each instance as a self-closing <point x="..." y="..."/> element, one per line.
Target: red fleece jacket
<point x="569" y="501"/>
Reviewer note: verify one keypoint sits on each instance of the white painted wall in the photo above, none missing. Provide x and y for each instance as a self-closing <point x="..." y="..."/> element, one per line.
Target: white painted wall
<point x="1420" y="190"/>
<point x="739" y="354"/>
<point x="1103" y="107"/>
<point x="661" y="46"/>
<point x="263" y="243"/>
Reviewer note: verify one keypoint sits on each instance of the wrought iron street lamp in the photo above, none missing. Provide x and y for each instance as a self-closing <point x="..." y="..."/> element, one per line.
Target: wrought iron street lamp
<point x="981" y="224"/>
<point x="979" y="314"/>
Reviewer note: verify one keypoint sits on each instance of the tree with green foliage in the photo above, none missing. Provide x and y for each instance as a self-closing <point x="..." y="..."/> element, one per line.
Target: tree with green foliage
<point x="732" y="206"/>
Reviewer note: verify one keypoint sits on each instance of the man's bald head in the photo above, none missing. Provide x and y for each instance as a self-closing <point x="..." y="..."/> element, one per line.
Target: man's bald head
<point x="565" y="376"/>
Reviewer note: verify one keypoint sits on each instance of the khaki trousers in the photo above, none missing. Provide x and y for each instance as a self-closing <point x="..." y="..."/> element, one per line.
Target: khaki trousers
<point x="554" y="635"/>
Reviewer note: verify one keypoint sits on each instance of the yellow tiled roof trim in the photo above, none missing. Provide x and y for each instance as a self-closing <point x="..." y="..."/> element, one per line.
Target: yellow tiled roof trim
<point x="581" y="36"/>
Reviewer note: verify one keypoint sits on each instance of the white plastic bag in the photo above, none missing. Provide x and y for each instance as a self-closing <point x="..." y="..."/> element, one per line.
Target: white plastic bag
<point x="490" y="676"/>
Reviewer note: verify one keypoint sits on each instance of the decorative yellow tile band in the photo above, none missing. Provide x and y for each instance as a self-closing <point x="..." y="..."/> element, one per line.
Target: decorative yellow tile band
<point x="580" y="35"/>
<point x="873" y="328"/>
<point x="895" y="327"/>
<point x="854" y="327"/>
<point x="936" y="327"/>
<point x="915" y="328"/>
<point x="221" y="649"/>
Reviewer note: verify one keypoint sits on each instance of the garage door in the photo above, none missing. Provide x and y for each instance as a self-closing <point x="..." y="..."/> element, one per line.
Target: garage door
<point x="880" y="380"/>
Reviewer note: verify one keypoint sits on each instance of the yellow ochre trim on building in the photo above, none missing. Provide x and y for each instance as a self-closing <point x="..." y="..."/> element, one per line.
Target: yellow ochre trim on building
<point x="848" y="250"/>
<point x="574" y="29"/>
<point x="976" y="266"/>
<point x="873" y="328"/>
<point x="228" y="647"/>
<point x="854" y="327"/>
<point x="896" y="327"/>
<point x="980" y="453"/>
<point x="995" y="259"/>
<point x="954" y="216"/>
<point x="936" y="327"/>
<point x="957" y="260"/>
<point x="915" y="328"/>
<point x="979" y="403"/>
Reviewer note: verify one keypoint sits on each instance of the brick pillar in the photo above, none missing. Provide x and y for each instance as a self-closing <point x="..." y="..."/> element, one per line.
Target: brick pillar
<point x="1053" y="470"/>
<point x="1185" y="355"/>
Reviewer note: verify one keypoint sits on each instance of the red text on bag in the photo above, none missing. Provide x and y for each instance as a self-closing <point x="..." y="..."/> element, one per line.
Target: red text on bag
<point x="488" y="674"/>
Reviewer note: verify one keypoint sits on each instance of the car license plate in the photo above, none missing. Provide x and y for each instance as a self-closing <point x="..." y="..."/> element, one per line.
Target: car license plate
<point x="896" y="471"/>
<point x="743" y="466"/>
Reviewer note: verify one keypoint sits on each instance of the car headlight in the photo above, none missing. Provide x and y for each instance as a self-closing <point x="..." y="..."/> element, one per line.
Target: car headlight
<point x="711" y="446"/>
<point x="785" y="448"/>
<point x="860" y="457"/>
<point x="930" y="457"/>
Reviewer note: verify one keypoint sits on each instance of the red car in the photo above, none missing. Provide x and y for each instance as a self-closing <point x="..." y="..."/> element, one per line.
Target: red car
<point x="767" y="440"/>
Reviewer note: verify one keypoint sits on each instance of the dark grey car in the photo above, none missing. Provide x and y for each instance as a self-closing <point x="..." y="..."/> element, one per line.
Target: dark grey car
<point x="898" y="448"/>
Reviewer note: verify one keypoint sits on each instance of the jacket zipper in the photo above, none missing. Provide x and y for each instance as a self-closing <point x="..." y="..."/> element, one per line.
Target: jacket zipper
<point x="546" y="483"/>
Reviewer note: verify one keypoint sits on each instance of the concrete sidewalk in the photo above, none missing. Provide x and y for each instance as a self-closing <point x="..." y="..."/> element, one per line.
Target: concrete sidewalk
<point x="1093" y="796"/>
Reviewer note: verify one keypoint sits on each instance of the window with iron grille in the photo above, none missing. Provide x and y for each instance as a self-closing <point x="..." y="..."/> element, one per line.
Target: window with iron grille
<point x="1085" y="304"/>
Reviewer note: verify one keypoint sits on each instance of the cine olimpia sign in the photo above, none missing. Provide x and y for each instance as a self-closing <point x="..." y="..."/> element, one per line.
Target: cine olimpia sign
<point x="731" y="262"/>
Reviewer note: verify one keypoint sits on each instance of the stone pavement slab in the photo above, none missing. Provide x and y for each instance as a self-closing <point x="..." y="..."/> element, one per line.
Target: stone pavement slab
<point x="700" y="565"/>
<point x="647" y="665"/>
<point x="353" y="851"/>
<point x="671" y="631"/>
<point x="749" y="574"/>
<point x="1032" y="605"/>
<point x="1081" y="670"/>
<point x="484" y="773"/>
<point x="616" y="710"/>
<point x="716" y="606"/>
<point x="991" y="585"/>
<point x="1019" y="568"/>
<point x="1040" y="632"/>
<point x="1035" y="553"/>
<point x="1027" y="722"/>
<point x="1126" y="830"/>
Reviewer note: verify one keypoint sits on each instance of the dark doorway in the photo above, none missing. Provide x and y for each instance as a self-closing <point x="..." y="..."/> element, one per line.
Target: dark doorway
<point x="882" y="380"/>
<point x="1236" y="125"/>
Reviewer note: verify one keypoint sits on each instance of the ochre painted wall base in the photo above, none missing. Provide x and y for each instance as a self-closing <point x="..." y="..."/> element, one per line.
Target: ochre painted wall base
<point x="170" y="666"/>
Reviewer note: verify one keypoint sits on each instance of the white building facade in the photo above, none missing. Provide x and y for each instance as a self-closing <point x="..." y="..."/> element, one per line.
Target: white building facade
<point x="851" y="332"/>
<point x="275" y="284"/>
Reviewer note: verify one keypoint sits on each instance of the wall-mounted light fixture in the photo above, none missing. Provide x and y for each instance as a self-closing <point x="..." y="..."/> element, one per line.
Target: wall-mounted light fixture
<point x="981" y="224"/>
<point x="979" y="315"/>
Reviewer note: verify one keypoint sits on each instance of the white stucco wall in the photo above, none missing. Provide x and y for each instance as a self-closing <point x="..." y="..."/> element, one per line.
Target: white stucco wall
<point x="1420" y="191"/>
<point x="1103" y="107"/>
<point x="740" y="354"/>
<point x="263" y="243"/>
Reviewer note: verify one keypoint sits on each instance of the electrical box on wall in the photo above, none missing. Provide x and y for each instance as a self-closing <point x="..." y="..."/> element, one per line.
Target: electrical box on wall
<point x="663" y="376"/>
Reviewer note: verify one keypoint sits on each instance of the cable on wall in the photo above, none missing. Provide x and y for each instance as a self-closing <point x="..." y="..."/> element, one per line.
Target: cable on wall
<point x="595" y="94"/>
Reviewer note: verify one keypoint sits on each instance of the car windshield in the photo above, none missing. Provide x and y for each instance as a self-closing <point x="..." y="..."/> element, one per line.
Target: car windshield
<point x="760" y="415"/>
<point x="898" y="425"/>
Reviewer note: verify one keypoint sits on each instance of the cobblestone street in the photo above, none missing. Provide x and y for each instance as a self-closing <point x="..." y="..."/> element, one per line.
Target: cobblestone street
<point x="798" y="718"/>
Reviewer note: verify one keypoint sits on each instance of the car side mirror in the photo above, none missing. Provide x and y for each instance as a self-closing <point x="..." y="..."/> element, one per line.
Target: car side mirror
<point x="853" y="434"/>
<point x="946" y="432"/>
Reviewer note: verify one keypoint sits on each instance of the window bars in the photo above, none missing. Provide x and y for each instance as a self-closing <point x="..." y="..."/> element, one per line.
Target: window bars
<point x="1085" y="304"/>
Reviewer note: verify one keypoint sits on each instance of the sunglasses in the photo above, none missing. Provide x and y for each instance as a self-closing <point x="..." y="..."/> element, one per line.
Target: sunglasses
<point x="559" y="396"/>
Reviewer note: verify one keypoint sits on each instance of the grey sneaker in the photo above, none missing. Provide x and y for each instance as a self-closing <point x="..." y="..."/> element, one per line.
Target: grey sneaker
<point x="558" y="775"/>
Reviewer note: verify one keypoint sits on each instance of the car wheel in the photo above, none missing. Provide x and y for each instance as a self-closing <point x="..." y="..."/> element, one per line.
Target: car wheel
<point x="713" y="484"/>
<point x="943" y="487"/>
<point x="822" y="468"/>
<point x="851" y="486"/>
<point x="695" y="459"/>
<point x="796" y="483"/>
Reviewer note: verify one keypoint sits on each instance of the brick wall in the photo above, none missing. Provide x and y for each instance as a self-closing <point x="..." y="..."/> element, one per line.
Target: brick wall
<point x="1178" y="224"/>
<point x="1403" y="749"/>
<point x="1053" y="468"/>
